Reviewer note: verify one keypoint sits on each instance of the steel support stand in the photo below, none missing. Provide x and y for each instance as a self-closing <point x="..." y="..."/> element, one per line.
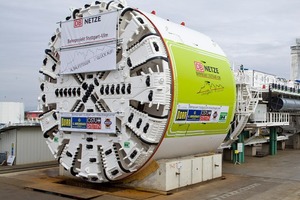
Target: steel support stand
<point x="241" y="140"/>
<point x="273" y="141"/>
<point x="235" y="153"/>
<point x="239" y="156"/>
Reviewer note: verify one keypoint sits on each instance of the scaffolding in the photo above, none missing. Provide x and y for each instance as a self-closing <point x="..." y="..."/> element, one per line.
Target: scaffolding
<point x="255" y="88"/>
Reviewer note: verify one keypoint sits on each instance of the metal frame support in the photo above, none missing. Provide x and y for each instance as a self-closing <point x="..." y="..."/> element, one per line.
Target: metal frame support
<point x="241" y="140"/>
<point x="273" y="141"/>
<point x="234" y="155"/>
<point x="239" y="156"/>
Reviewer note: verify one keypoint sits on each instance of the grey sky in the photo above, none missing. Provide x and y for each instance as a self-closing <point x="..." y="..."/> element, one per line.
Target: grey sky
<point x="256" y="33"/>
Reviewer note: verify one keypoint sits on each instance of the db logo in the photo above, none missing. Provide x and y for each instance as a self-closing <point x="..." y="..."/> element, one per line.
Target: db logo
<point x="78" y="23"/>
<point x="199" y="67"/>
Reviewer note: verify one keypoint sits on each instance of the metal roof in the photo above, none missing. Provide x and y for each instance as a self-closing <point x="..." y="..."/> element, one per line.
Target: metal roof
<point x="6" y="127"/>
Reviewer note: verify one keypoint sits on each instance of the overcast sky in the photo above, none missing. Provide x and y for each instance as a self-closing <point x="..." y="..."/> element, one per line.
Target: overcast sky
<point x="256" y="33"/>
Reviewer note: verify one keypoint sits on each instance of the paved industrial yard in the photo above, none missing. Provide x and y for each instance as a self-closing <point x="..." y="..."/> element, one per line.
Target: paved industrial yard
<point x="270" y="177"/>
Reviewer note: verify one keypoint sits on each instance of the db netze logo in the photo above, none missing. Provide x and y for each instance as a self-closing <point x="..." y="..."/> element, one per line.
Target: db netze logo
<point x="199" y="67"/>
<point x="78" y="23"/>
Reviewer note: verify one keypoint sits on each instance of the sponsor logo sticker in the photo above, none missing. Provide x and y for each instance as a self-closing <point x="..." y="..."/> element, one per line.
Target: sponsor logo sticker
<point x="107" y="123"/>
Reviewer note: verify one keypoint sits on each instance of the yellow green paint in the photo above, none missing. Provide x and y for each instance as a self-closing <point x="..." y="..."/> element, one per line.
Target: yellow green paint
<point x="200" y="78"/>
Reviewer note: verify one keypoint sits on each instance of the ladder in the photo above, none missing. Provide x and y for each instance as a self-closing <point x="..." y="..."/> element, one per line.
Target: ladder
<point x="246" y="103"/>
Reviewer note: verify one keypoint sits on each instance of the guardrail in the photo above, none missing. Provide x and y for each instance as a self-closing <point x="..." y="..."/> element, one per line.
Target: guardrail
<point x="276" y="117"/>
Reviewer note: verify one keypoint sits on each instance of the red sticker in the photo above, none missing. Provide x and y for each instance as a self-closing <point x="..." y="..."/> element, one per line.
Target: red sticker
<point x="199" y="67"/>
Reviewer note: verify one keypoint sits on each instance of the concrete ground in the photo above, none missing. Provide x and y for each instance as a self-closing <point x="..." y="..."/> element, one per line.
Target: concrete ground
<point x="271" y="177"/>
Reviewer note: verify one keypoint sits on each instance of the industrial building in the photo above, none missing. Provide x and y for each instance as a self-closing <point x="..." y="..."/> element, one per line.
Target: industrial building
<point x="21" y="141"/>
<point x="267" y="113"/>
<point x="295" y="60"/>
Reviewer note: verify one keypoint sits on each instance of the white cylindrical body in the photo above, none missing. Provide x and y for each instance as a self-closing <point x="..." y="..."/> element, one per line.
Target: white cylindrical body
<point x="115" y="101"/>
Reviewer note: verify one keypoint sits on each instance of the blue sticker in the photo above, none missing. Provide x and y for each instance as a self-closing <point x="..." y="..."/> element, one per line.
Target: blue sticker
<point x="193" y="115"/>
<point x="79" y="122"/>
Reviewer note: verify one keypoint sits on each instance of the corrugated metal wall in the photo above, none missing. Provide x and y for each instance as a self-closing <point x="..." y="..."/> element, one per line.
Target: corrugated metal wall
<point x="31" y="146"/>
<point x="6" y="140"/>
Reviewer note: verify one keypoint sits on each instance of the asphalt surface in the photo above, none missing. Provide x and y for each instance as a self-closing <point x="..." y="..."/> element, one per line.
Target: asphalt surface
<point x="270" y="177"/>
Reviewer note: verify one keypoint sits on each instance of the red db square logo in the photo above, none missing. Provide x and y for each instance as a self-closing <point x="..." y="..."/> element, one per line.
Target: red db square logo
<point x="78" y="23"/>
<point x="199" y="67"/>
